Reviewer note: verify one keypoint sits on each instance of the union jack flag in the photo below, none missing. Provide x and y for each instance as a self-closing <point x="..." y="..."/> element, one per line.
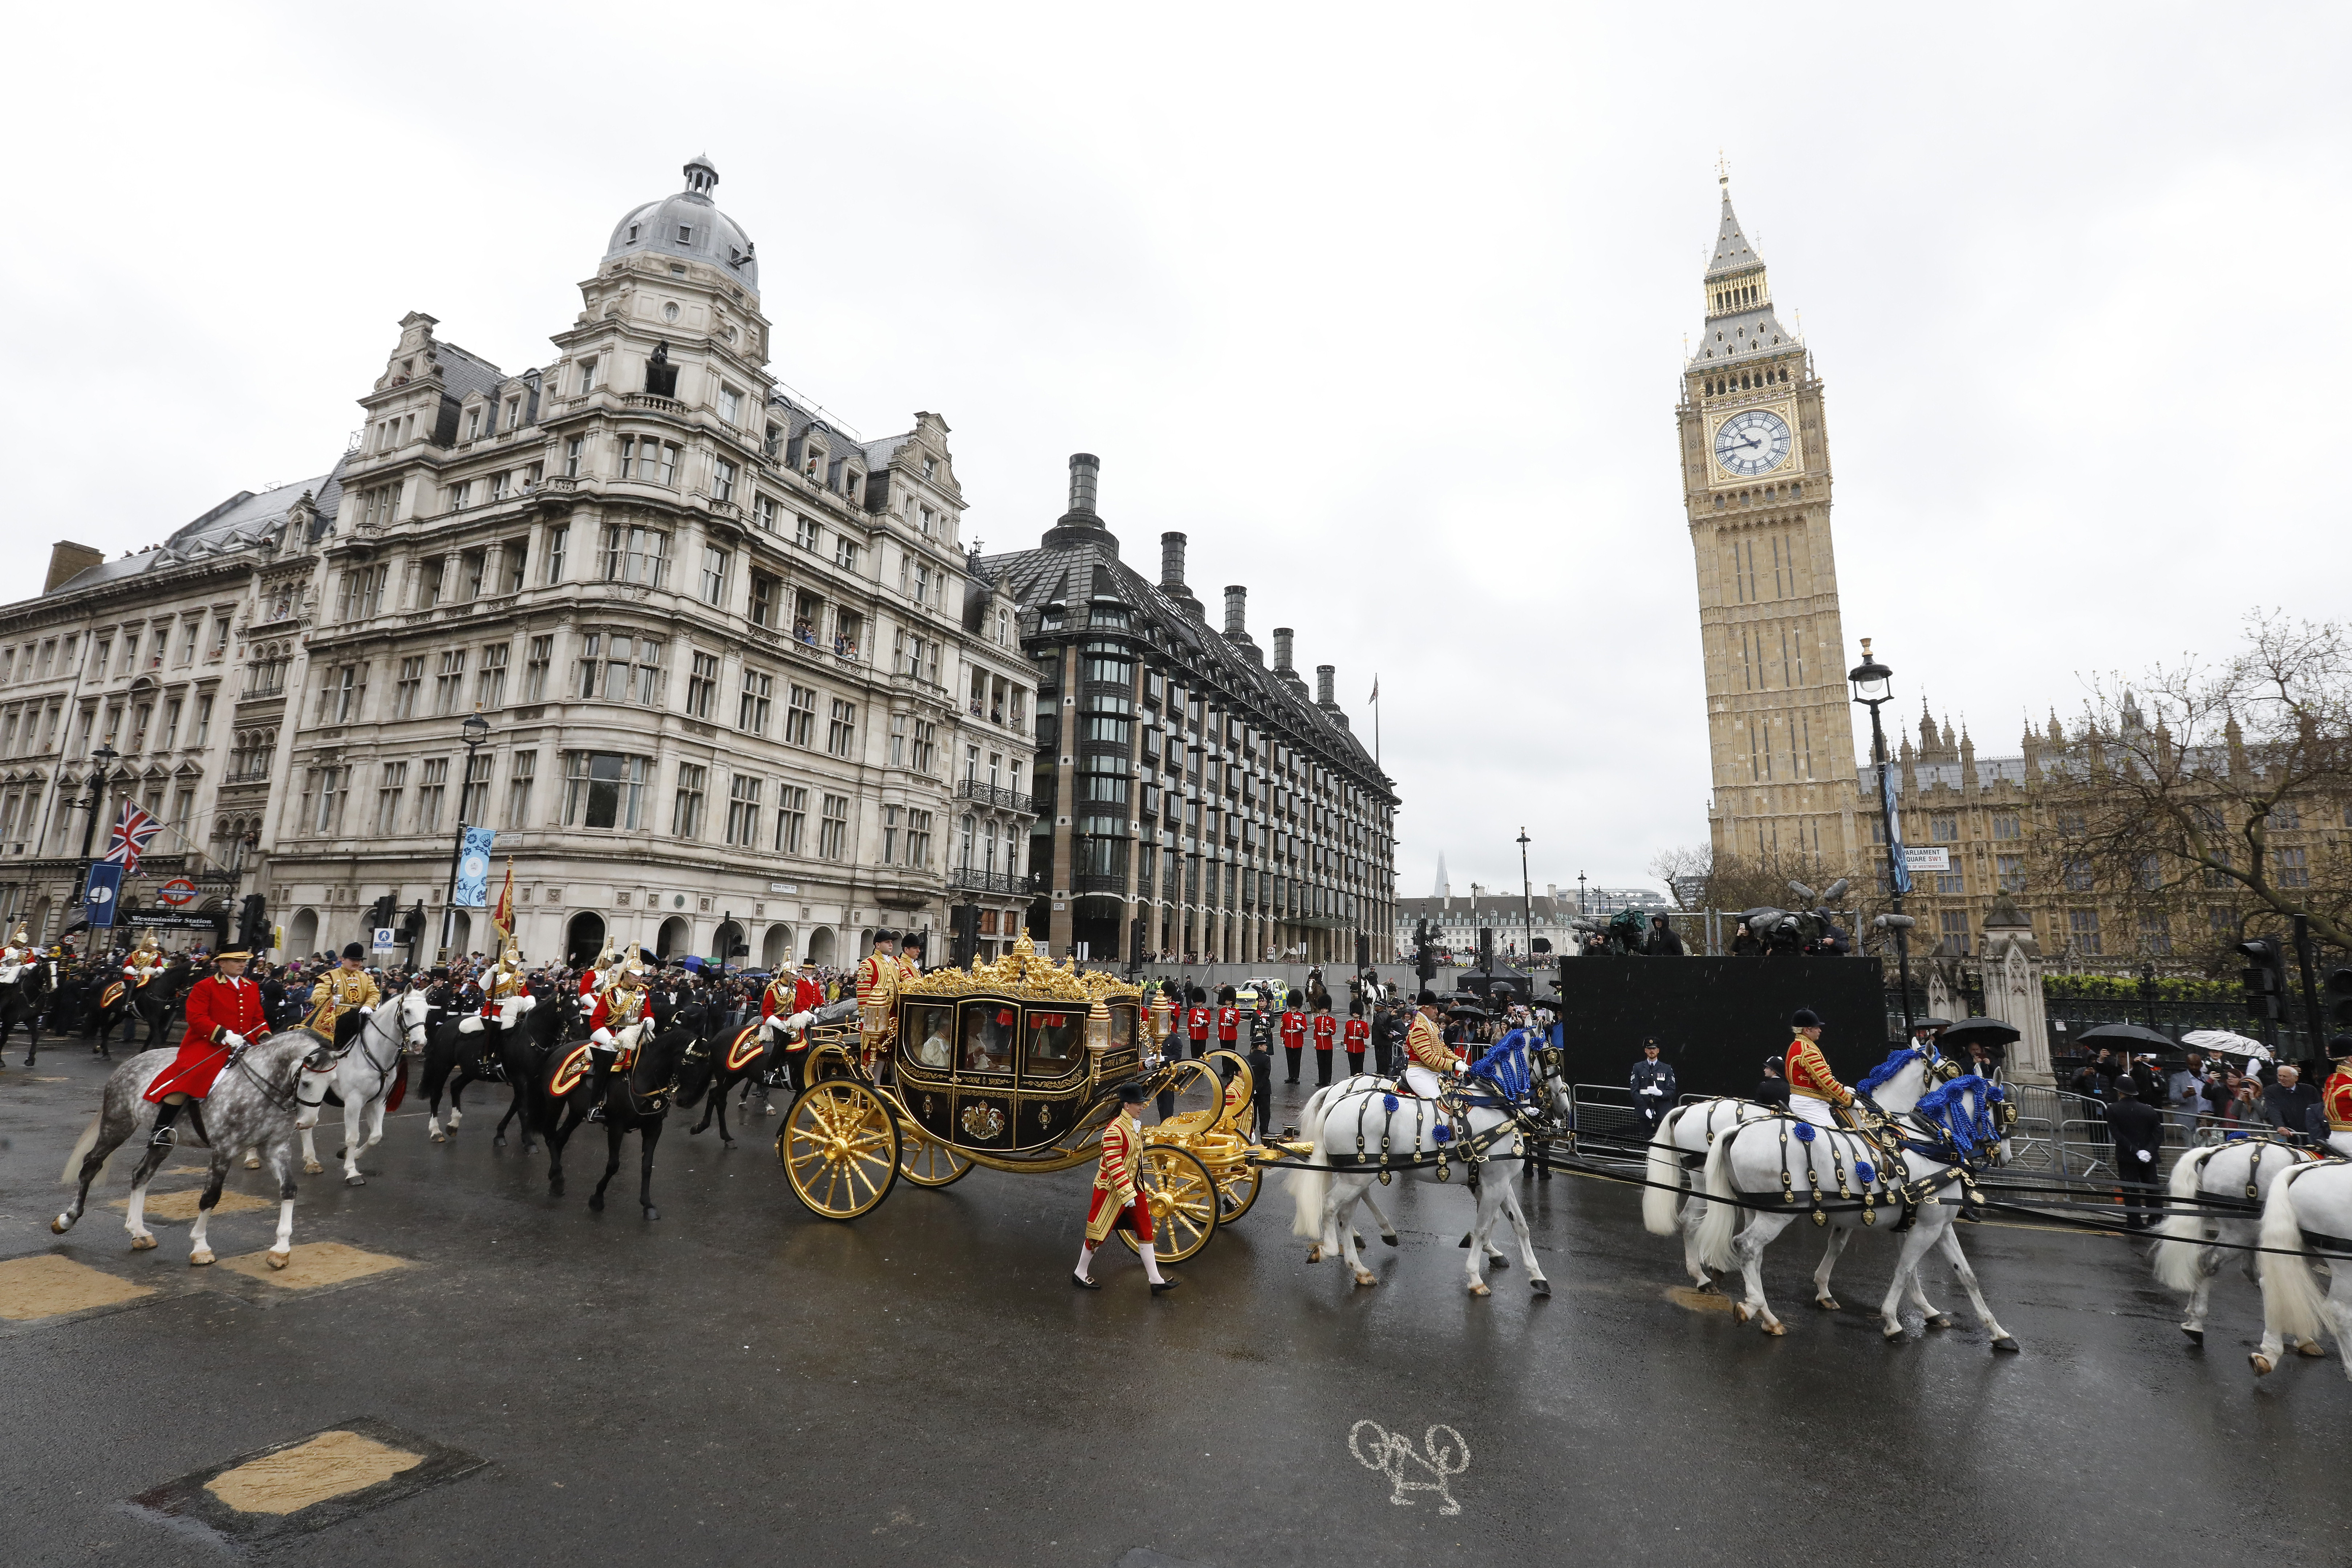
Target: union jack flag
<point x="135" y="830"/>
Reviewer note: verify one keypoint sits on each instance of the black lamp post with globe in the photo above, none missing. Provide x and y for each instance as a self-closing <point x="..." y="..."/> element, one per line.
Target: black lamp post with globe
<point x="475" y="730"/>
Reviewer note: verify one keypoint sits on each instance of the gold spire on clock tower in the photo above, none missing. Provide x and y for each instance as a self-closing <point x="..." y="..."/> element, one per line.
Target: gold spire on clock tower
<point x="1757" y="489"/>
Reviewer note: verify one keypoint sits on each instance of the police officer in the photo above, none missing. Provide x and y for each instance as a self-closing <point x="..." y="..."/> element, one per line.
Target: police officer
<point x="1653" y="1084"/>
<point x="1261" y="1064"/>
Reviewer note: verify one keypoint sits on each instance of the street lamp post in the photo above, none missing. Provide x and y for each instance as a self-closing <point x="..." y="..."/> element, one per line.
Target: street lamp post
<point x="93" y="800"/>
<point x="1870" y="689"/>
<point x="476" y="730"/>
<point x="1580" y="889"/>
<point x="1527" y="899"/>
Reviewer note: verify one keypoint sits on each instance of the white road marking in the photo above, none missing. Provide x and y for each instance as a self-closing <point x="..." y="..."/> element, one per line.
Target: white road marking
<point x="1394" y="1455"/>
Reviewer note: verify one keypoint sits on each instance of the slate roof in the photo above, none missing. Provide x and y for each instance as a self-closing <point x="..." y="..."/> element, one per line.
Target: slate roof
<point x="1089" y="567"/>
<point x="245" y="519"/>
<point x="463" y="373"/>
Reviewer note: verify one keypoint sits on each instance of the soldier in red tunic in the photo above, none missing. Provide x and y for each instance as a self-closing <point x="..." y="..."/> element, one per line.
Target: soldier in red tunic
<point x="1119" y="1199"/>
<point x="224" y="1013"/>
<point x="1355" y="1038"/>
<point x="1229" y="1017"/>
<point x="1326" y="1029"/>
<point x="1294" y="1034"/>
<point x="1197" y="1020"/>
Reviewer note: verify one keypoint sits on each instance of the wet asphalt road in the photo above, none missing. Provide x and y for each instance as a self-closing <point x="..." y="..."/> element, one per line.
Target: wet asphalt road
<point x="740" y="1382"/>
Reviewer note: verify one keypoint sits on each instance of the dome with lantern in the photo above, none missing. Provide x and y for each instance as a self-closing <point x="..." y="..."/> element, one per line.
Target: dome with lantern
<point x="688" y="227"/>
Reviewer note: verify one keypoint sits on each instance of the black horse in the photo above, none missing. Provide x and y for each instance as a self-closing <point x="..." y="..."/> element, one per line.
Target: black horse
<point x="153" y="1004"/>
<point x="494" y="1055"/>
<point x="736" y="1058"/>
<point x="22" y="1001"/>
<point x="635" y="1098"/>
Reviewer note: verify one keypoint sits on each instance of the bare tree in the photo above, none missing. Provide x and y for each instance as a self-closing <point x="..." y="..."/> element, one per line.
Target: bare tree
<point x="2209" y="794"/>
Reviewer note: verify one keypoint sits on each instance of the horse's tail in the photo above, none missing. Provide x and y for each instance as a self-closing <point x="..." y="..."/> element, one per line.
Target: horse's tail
<point x="1722" y="1221"/>
<point x="1309" y="1188"/>
<point x="2182" y="1235"/>
<point x="1662" y="1200"/>
<point x="82" y="1147"/>
<point x="2290" y="1304"/>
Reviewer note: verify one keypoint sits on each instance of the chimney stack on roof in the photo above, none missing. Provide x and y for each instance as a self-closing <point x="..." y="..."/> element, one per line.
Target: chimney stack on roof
<point x="1080" y="525"/>
<point x="1171" y="562"/>
<point x="1236" y="600"/>
<point x="1324" y="674"/>
<point x="68" y="561"/>
<point x="1282" y="635"/>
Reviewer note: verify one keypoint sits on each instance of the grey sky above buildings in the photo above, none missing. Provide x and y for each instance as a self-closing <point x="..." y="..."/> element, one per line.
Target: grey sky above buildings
<point x="1387" y="315"/>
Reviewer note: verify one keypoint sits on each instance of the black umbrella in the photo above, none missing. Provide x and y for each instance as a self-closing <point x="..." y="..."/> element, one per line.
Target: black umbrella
<point x="1931" y="1023"/>
<point x="1980" y="1032"/>
<point x="2131" y="1035"/>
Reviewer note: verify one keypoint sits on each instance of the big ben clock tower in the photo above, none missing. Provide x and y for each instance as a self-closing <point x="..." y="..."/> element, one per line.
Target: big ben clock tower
<point x="1756" y="482"/>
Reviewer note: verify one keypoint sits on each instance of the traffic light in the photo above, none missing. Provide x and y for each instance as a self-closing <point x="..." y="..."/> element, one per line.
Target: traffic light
<point x="379" y="912"/>
<point x="253" y="922"/>
<point x="2263" y="978"/>
<point x="1363" y="951"/>
<point x="1135" y="943"/>
<point x="963" y="928"/>
<point x="2339" y="1001"/>
<point x="1486" y="948"/>
<point x="1425" y="957"/>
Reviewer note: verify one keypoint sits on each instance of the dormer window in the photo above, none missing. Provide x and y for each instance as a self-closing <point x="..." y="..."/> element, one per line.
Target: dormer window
<point x="514" y="413"/>
<point x="632" y="234"/>
<point x="686" y="233"/>
<point x="473" y="422"/>
<point x="809" y="464"/>
<point x="930" y="468"/>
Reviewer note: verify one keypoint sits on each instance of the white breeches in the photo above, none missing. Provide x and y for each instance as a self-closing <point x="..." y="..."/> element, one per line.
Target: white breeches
<point x="1423" y="1081"/>
<point x="1817" y="1111"/>
<point x="2340" y="1142"/>
<point x="602" y="1039"/>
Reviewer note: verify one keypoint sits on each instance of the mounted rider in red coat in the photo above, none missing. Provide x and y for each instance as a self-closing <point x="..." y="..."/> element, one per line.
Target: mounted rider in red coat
<point x="224" y="1016"/>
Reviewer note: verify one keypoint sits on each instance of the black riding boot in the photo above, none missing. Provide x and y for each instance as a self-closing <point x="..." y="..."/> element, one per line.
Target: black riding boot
<point x="165" y="1114"/>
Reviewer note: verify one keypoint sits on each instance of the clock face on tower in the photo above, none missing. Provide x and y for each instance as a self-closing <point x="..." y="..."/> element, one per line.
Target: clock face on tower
<point x="1756" y="442"/>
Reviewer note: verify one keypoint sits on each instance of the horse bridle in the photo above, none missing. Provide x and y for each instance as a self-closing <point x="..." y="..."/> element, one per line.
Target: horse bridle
<point x="318" y="1062"/>
<point x="359" y="1043"/>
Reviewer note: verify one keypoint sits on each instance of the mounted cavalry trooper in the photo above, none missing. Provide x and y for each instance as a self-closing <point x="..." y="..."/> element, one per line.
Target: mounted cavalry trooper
<point x="2335" y="1096"/>
<point x="787" y="996"/>
<point x="878" y="977"/>
<point x="1431" y="1062"/>
<point x="144" y="962"/>
<point x="1813" y="1089"/>
<point x="340" y="990"/>
<point x="505" y="981"/>
<point x="224" y="1017"/>
<point x="17" y="955"/>
<point x="619" y="1005"/>
<point x="598" y="975"/>
<point x="1119" y="1199"/>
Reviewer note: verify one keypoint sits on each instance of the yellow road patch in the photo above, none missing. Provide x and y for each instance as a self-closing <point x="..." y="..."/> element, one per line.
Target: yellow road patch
<point x="317" y="1263"/>
<point x="49" y="1286"/>
<point x="331" y="1465"/>
<point x="181" y="1207"/>
<point x="1689" y="1299"/>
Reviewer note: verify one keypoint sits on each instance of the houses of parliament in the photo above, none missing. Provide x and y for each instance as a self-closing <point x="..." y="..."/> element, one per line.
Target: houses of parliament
<point x="1790" y="776"/>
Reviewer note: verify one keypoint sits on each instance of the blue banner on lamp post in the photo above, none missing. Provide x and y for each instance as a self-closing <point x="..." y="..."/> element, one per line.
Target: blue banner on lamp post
<point x="102" y="892"/>
<point x="473" y="868"/>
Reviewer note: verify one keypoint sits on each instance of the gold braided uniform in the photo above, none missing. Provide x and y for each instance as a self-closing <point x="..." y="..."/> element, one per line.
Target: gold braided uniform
<point x="877" y="994"/>
<point x="341" y="990"/>
<point x="1425" y="1045"/>
<point x="1115" y="1194"/>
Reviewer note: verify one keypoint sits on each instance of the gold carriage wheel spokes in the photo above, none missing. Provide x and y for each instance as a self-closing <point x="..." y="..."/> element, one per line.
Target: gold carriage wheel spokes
<point x="839" y="1147"/>
<point x="1183" y="1198"/>
<point x="1237" y="1188"/>
<point x="926" y="1162"/>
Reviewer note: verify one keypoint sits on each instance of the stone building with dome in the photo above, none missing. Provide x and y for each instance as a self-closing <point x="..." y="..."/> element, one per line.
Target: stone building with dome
<point x="743" y="694"/>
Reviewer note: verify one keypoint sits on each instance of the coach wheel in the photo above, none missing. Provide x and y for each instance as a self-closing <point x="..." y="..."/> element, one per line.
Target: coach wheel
<point x="929" y="1163"/>
<point x="1183" y="1198"/>
<point x="839" y="1147"/>
<point x="1236" y="1191"/>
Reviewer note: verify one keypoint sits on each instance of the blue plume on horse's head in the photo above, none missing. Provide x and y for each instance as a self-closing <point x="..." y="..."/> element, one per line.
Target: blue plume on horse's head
<point x="1505" y="1066"/>
<point x="1962" y="1111"/>
<point x="1884" y="1073"/>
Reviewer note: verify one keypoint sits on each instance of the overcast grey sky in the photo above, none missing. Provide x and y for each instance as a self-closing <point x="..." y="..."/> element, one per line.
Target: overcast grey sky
<point x="1384" y="305"/>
